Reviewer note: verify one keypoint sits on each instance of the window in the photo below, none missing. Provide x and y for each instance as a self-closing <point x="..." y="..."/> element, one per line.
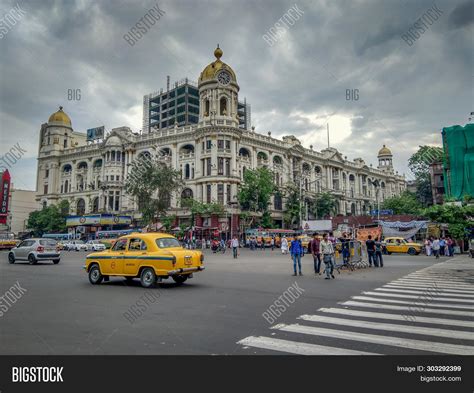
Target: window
<point x="227" y="145"/>
<point x="220" y="166"/>
<point x="207" y="106"/>
<point x="228" y="193"/>
<point x="167" y="242"/>
<point x="136" y="245"/>
<point x="220" y="144"/>
<point x="181" y="119"/>
<point x="65" y="142"/>
<point x="208" y="144"/>
<point x="223" y="106"/>
<point x="208" y="193"/>
<point x="193" y="101"/>
<point x="227" y="167"/>
<point x="180" y="100"/>
<point x="181" y="90"/>
<point x="180" y="109"/>
<point x="120" y="245"/>
<point x="209" y="167"/>
<point x="46" y="173"/>
<point x="187" y="173"/>
<point x="45" y="189"/>
<point x="220" y="194"/>
<point x="277" y="202"/>
<point x="113" y="156"/>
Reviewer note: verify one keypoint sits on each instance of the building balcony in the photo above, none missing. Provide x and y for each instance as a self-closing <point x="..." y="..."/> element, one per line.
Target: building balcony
<point x="186" y="156"/>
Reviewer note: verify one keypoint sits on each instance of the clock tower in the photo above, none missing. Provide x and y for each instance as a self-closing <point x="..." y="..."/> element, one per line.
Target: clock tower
<point x="218" y="94"/>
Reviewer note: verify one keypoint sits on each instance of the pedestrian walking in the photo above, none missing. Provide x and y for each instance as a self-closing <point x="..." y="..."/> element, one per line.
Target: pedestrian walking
<point x="450" y="246"/>
<point x="235" y="247"/>
<point x="314" y="249"/>
<point x="436" y="247"/>
<point x="345" y="246"/>
<point x="272" y="243"/>
<point x="326" y="249"/>
<point x="296" y="250"/>
<point x="284" y="245"/>
<point x="442" y="246"/>
<point x="378" y="251"/>
<point x="370" y="244"/>
<point x="428" y="247"/>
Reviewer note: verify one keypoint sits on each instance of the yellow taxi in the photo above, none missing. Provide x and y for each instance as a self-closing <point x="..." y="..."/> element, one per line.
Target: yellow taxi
<point x="150" y="257"/>
<point x="399" y="244"/>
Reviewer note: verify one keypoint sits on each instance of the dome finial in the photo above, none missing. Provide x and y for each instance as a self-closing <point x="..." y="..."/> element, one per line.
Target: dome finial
<point x="60" y="108"/>
<point x="218" y="52"/>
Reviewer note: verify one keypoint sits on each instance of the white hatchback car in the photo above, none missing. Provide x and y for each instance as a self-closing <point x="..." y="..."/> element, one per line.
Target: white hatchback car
<point x="95" y="245"/>
<point x="76" y="245"/>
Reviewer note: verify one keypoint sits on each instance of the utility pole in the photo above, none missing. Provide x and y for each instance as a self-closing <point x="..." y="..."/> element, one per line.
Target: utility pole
<point x="301" y="208"/>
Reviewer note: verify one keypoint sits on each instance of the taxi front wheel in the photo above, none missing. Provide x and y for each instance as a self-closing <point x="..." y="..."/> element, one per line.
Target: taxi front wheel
<point x="95" y="276"/>
<point x="148" y="278"/>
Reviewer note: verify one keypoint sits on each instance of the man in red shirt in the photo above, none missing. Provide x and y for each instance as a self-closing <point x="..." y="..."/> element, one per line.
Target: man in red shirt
<point x="314" y="249"/>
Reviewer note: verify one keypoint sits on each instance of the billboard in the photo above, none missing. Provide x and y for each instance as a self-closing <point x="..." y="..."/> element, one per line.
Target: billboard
<point x="95" y="133"/>
<point x="98" y="220"/>
<point x="4" y="196"/>
<point x="317" y="225"/>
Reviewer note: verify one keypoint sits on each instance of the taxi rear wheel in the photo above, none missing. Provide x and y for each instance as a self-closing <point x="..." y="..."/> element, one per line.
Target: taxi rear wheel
<point x="95" y="276"/>
<point x="179" y="279"/>
<point x="148" y="278"/>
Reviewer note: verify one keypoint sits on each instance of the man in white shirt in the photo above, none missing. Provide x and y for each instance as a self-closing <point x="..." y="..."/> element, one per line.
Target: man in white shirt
<point x="235" y="247"/>
<point x="436" y="246"/>
<point x="326" y="249"/>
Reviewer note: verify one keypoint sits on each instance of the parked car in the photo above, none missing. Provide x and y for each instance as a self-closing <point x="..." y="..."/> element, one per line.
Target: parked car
<point x="150" y="257"/>
<point x="75" y="245"/>
<point x="400" y="245"/>
<point x="34" y="250"/>
<point x="95" y="245"/>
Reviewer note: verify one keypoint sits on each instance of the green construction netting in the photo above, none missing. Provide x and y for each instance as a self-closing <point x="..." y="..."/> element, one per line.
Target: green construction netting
<point x="458" y="143"/>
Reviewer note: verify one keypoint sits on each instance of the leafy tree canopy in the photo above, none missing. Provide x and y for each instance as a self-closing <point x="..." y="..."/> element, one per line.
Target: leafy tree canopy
<point x="256" y="190"/>
<point x="406" y="203"/>
<point x="50" y="219"/>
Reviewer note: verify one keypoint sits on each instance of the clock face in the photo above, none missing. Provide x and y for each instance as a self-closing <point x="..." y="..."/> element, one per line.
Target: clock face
<point x="223" y="78"/>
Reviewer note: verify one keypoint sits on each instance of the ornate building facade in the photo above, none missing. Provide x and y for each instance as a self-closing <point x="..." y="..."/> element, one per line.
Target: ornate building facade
<point x="212" y="156"/>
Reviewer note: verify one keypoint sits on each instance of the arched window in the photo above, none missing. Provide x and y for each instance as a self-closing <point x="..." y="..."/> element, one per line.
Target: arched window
<point x="278" y="202"/>
<point x="95" y="205"/>
<point x="277" y="160"/>
<point x="81" y="207"/>
<point x="243" y="152"/>
<point x="187" y="172"/>
<point x="187" y="194"/>
<point x="207" y="106"/>
<point x="317" y="169"/>
<point x="45" y="204"/>
<point x="223" y="106"/>
<point x="113" y="156"/>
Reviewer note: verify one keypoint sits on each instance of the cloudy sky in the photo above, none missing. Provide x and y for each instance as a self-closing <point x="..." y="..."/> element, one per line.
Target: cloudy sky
<point x="295" y="86"/>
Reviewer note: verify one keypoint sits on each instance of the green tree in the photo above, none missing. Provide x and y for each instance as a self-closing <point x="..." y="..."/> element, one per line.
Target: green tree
<point x="152" y="183"/>
<point x="458" y="218"/>
<point x="406" y="203"/>
<point x="419" y="164"/>
<point x="200" y="208"/>
<point x="50" y="219"/>
<point x="256" y="190"/>
<point x="325" y="205"/>
<point x="291" y="195"/>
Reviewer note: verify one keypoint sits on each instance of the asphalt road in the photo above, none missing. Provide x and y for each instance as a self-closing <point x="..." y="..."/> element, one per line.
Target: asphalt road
<point x="62" y="313"/>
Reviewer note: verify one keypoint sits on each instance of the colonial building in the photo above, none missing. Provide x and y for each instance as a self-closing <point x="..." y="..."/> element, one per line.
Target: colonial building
<point x="212" y="156"/>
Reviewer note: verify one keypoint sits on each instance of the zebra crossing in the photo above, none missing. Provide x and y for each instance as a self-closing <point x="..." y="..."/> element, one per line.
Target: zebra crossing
<point x="430" y="311"/>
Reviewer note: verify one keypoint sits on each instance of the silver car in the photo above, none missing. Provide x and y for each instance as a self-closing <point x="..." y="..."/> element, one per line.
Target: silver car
<point x="34" y="250"/>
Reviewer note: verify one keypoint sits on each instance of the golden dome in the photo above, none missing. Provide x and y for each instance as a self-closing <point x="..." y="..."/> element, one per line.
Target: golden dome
<point x="60" y="117"/>
<point x="385" y="151"/>
<point x="210" y="71"/>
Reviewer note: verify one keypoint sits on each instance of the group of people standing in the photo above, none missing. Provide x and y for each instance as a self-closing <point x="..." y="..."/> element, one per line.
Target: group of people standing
<point x="439" y="246"/>
<point x="321" y="249"/>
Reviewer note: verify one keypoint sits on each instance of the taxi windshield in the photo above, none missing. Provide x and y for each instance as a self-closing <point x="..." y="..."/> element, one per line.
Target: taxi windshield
<point x="167" y="242"/>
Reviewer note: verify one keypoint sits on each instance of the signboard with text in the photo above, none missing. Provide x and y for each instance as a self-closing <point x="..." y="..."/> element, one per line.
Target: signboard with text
<point x="4" y="196"/>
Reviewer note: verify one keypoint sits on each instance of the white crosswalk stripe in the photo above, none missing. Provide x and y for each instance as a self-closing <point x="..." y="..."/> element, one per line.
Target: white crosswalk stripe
<point x="414" y="286"/>
<point x="452" y="349"/>
<point x="457" y="300"/>
<point x="276" y="344"/>
<point x="422" y="292"/>
<point x="415" y="304"/>
<point x="410" y="308"/>
<point x="390" y="327"/>
<point x="431" y="310"/>
<point x="398" y="317"/>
